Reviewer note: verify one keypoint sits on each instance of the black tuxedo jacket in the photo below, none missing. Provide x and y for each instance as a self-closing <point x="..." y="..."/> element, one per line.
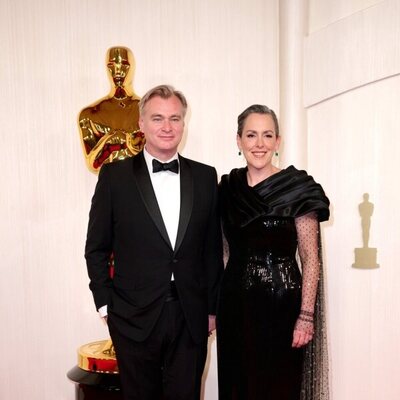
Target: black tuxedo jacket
<point x="125" y="220"/>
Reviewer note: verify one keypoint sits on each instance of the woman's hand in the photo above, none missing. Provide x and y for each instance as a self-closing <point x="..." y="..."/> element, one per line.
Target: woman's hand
<point x="303" y="332"/>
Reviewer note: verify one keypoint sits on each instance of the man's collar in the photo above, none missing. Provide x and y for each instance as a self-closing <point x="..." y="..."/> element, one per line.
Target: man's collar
<point x="149" y="159"/>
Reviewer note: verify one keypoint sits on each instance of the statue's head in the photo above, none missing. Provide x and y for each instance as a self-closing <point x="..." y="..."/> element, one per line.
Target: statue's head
<point x="120" y="65"/>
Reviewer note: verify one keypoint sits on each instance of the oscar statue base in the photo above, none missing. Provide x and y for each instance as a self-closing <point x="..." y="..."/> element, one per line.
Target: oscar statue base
<point x="96" y="376"/>
<point x="365" y="258"/>
<point x="95" y="386"/>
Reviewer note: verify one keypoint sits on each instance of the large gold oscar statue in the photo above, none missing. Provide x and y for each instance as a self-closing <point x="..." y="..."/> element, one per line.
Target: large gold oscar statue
<point x="109" y="132"/>
<point x="109" y="128"/>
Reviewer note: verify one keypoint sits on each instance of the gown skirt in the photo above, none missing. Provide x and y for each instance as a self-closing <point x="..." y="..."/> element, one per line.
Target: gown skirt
<point x="259" y="304"/>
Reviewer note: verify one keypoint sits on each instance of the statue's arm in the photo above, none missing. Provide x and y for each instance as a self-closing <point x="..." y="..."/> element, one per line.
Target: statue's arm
<point x="101" y="142"/>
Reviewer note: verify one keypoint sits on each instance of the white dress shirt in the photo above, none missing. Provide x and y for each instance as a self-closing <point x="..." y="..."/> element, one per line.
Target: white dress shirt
<point x="166" y="185"/>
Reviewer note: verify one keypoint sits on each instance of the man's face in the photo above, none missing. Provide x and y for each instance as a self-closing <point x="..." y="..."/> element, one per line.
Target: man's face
<point x="118" y="66"/>
<point x="162" y="122"/>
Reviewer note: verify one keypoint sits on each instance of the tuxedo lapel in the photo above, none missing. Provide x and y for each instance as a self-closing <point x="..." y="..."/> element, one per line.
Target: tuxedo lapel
<point x="186" y="200"/>
<point x="146" y="191"/>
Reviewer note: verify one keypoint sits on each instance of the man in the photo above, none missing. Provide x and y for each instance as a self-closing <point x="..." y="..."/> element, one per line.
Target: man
<point x="164" y="231"/>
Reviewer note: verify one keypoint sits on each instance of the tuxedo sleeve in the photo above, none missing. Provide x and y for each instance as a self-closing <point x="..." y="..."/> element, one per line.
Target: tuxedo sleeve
<point x="213" y="250"/>
<point x="99" y="240"/>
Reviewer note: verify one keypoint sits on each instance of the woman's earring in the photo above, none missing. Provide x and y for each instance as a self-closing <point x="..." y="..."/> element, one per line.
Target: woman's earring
<point x="239" y="153"/>
<point x="276" y="153"/>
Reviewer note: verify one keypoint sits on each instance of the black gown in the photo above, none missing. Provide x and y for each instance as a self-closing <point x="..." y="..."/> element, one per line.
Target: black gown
<point x="261" y="291"/>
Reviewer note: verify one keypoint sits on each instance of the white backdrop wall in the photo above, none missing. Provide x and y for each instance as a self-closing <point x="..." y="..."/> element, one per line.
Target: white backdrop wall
<point x="352" y="94"/>
<point x="222" y="54"/>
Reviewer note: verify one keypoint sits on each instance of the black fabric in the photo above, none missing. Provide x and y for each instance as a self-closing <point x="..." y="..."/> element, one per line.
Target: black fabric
<point x="172" y="294"/>
<point x="125" y="220"/>
<point x="260" y="295"/>
<point x="288" y="193"/>
<point x="168" y="365"/>
<point x="172" y="166"/>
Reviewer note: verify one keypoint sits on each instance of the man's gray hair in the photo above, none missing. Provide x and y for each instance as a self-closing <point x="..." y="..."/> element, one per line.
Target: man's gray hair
<point x="165" y="92"/>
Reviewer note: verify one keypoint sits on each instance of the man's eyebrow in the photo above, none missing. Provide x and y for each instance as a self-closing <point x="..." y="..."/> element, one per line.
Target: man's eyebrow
<point x="158" y="115"/>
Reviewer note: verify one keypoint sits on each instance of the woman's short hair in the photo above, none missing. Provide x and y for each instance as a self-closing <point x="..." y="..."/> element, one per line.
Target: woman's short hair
<point x="256" y="109"/>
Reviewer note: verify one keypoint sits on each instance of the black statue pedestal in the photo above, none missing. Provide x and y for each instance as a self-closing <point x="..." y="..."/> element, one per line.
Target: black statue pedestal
<point x="95" y="386"/>
<point x="96" y="376"/>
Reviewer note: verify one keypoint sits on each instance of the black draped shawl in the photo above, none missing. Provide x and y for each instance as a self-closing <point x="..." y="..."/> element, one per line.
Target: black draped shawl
<point x="288" y="193"/>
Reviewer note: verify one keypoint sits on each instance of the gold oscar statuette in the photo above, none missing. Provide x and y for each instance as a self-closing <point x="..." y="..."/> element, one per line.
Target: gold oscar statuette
<point x="109" y="127"/>
<point x="365" y="257"/>
<point x="109" y="132"/>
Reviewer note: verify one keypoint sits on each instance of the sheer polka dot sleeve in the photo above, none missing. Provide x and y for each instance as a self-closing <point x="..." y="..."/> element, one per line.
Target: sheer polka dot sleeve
<point x="307" y="227"/>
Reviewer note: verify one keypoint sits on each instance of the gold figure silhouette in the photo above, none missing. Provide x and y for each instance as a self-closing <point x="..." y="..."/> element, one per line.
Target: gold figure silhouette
<point x="109" y="128"/>
<point x="365" y="256"/>
<point x="366" y="210"/>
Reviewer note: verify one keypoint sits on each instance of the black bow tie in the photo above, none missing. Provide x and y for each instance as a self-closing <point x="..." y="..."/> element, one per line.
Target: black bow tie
<point x="172" y="166"/>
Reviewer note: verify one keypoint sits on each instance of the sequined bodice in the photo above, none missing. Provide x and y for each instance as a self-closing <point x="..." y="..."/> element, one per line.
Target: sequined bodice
<point x="263" y="254"/>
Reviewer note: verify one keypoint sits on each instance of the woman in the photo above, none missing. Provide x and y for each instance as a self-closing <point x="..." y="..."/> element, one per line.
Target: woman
<point x="270" y="323"/>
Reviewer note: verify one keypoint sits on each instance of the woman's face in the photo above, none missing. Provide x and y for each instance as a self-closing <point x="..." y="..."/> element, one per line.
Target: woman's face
<point x="258" y="142"/>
